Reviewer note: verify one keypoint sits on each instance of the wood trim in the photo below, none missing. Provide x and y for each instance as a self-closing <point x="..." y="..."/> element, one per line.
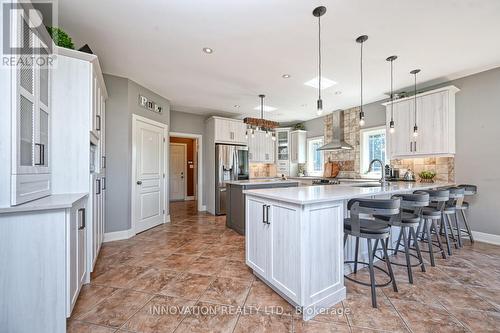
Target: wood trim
<point x="185" y="166"/>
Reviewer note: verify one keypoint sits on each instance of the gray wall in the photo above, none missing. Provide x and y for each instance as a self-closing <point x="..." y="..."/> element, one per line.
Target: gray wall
<point x="477" y="158"/>
<point x="121" y="104"/>
<point x="183" y="122"/>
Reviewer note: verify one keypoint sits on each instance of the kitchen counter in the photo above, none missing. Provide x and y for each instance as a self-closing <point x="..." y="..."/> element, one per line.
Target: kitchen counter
<point x="262" y="181"/>
<point x="54" y="201"/>
<point x="295" y="239"/>
<point x="318" y="194"/>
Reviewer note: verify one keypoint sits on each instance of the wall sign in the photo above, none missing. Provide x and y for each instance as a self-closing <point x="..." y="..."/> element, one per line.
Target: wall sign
<point x="150" y="105"/>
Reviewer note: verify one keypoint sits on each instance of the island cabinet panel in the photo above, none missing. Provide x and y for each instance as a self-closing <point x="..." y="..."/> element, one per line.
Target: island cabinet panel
<point x="324" y="251"/>
<point x="297" y="251"/>
<point x="257" y="236"/>
<point x="284" y="231"/>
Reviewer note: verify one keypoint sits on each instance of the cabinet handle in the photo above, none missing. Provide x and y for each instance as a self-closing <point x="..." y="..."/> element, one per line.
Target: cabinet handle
<point x="267" y="214"/>
<point x="264" y="214"/>
<point x="81" y="217"/>
<point x="98" y="125"/>
<point x="104" y="162"/>
<point x="103" y="183"/>
<point x="41" y="151"/>
<point x="415" y="146"/>
<point x="98" y="186"/>
<point x="411" y="146"/>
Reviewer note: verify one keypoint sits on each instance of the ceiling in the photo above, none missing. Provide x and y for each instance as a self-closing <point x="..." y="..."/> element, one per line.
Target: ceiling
<point x="158" y="44"/>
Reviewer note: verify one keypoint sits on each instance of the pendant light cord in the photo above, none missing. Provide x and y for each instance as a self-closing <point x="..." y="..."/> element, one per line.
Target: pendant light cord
<point x="415" y="91"/>
<point x="261" y="107"/>
<point x="361" y="67"/>
<point x="319" y="57"/>
<point x="392" y="93"/>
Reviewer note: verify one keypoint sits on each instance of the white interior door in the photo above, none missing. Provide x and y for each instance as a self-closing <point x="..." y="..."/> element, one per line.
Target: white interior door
<point x="177" y="171"/>
<point x="149" y="175"/>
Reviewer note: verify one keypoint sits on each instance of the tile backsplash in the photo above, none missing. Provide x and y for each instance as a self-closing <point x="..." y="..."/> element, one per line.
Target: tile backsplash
<point x="262" y="170"/>
<point x="443" y="166"/>
<point x="348" y="160"/>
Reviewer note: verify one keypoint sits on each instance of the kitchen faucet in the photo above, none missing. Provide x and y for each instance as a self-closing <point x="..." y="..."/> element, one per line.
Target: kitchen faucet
<point x="382" y="180"/>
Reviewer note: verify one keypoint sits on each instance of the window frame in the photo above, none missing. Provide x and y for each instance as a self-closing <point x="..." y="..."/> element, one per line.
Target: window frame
<point x="364" y="150"/>
<point x="310" y="162"/>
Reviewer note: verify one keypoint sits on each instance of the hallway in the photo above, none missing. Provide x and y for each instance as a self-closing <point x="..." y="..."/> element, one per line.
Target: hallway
<point x="196" y="265"/>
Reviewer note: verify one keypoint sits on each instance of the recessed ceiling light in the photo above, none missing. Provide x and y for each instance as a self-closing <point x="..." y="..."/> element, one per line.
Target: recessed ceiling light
<point x="267" y="108"/>
<point x="338" y="92"/>
<point x="236" y="106"/>
<point x="208" y="50"/>
<point x="286" y="76"/>
<point x="303" y="105"/>
<point x="325" y="83"/>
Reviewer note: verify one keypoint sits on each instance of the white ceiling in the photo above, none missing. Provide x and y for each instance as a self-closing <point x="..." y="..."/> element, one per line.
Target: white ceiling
<point x="158" y="44"/>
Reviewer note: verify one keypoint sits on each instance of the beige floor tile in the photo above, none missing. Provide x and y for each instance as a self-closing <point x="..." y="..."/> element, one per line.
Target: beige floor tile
<point x="227" y="291"/>
<point x="152" y="280"/>
<point x="300" y="326"/>
<point x="237" y="269"/>
<point x="187" y="285"/>
<point x="117" y="308"/>
<point x="74" y="326"/>
<point x="264" y="323"/>
<point x="207" y="266"/>
<point x="90" y="296"/>
<point x="263" y="298"/>
<point x="207" y="318"/>
<point x="160" y="314"/>
<point x="478" y="321"/>
<point x="119" y="276"/>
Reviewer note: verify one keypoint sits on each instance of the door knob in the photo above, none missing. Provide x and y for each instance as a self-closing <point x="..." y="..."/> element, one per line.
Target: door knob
<point x="139" y="182"/>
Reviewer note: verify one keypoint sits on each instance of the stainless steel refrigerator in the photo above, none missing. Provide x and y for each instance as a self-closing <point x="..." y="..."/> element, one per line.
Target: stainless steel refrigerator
<point x="231" y="163"/>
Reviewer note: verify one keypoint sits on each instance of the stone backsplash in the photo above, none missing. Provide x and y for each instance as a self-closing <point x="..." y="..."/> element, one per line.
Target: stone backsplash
<point x="262" y="170"/>
<point x="443" y="166"/>
<point x="348" y="160"/>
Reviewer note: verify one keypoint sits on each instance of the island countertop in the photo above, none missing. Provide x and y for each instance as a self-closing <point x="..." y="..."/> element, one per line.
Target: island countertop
<point x="261" y="181"/>
<point x="318" y="194"/>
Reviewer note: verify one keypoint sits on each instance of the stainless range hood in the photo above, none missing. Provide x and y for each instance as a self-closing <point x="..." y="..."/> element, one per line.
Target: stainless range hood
<point x="338" y="142"/>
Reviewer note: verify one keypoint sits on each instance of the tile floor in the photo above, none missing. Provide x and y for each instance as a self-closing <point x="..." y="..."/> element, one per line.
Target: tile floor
<point x="190" y="276"/>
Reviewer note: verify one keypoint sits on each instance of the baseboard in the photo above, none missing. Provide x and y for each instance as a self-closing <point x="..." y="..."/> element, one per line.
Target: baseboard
<point x="118" y="235"/>
<point x="203" y="208"/>
<point x="486" y="238"/>
<point x="190" y="198"/>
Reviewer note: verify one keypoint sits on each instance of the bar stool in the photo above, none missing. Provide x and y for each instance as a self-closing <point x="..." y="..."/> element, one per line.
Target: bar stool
<point x="470" y="190"/>
<point x="430" y="216"/>
<point x="408" y="220"/>
<point x="370" y="230"/>
<point x="450" y="213"/>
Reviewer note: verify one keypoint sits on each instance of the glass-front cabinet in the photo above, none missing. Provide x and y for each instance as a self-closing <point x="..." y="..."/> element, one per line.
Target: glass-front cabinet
<point x="283" y="151"/>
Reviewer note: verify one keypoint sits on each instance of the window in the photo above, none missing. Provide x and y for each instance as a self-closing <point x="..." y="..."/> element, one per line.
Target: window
<point x="314" y="156"/>
<point x="372" y="147"/>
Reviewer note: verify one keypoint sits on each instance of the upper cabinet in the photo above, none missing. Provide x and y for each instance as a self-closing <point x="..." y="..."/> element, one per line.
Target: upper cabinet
<point x="261" y="148"/>
<point x="230" y="131"/>
<point x="298" y="149"/>
<point x="435" y="119"/>
<point x="24" y="133"/>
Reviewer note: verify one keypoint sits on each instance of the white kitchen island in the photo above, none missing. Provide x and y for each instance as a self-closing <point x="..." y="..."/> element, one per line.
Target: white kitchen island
<point x="294" y="239"/>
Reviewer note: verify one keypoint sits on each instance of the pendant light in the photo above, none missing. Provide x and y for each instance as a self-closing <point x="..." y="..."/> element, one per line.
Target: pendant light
<point x="262" y="96"/>
<point x="361" y="40"/>
<point x="318" y="12"/>
<point x="391" y="123"/>
<point x="415" y="127"/>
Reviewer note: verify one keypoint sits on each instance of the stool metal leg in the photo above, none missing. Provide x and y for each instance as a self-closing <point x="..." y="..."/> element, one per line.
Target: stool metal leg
<point x="407" y="254"/>
<point x="399" y="241"/>
<point x="467" y="226"/>
<point x="429" y="241"/>
<point x="388" y="264"/>
<point x="356" y="255"/>
<point x="459" y="237"/>
<point x="440" y="244"/>
<point x="417" y="248"/>
<point x="372" y="273"/>
<point x="444" y="226"/>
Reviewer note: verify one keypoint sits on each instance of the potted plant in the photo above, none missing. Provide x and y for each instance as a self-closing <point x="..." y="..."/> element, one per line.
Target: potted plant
<point x="427" y="176"/>
<point x="61" y="38"/>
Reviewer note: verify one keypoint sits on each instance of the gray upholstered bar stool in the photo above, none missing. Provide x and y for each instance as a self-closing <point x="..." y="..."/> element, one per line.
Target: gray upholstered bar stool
<point x="408" y="220"/>
<point x="450" y="215"/>
<point x="370" y="230"/>
<point x="429" y="226"/>
<point x="470" y="190"/>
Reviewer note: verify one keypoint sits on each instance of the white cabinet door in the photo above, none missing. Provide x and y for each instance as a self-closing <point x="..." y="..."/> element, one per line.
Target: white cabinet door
<point x="239" y="129"/>
<point x="400" y="139"/>
<point x="298" y="146"/>
<point x="257" y="235"/>
<point x="284" y="266"/>
<point x="82" y="246"/>
<point x="432" y="121"/>
<point x="72" y="260"/>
